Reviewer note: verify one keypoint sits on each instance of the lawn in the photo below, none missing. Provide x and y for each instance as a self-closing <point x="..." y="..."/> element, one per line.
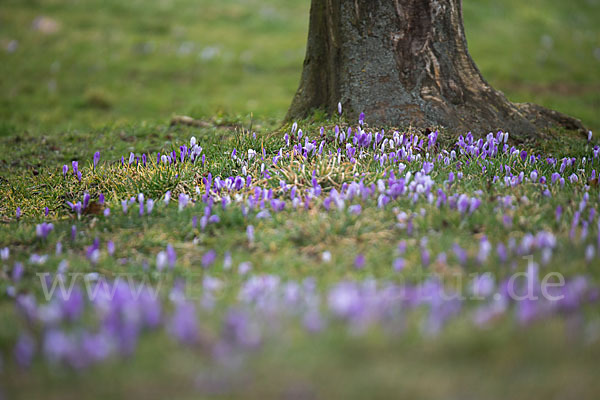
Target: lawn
<point x="324" y="259"/>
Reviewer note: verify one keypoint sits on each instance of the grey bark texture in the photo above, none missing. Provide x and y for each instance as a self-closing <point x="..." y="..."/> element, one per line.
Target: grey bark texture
<point x="406" y="63"/>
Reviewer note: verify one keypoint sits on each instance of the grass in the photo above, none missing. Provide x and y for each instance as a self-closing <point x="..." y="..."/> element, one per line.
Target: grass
<point x="110" y="79"/>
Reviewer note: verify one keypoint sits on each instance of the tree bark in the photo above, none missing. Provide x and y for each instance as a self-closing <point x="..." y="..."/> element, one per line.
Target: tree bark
<point x="406" y="63"/>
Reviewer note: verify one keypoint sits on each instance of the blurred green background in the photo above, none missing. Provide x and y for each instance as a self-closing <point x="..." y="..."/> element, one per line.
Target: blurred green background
<point x="86" y="64"/>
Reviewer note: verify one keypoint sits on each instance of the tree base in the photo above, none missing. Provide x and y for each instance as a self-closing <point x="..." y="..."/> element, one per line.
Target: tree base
<point x="406" y="63"/>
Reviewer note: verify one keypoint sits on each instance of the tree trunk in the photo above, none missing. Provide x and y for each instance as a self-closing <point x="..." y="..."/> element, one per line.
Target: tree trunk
<point x="405" y="63"/>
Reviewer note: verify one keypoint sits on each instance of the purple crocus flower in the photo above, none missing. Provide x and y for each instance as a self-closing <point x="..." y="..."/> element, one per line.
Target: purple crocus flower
<point x="183" y="201"/>
<point x="355" y="209"/>
<point x="42" y="230"/>
<point x="79" y="176"/>
<point x="244" y="268"/>
<point x="124" y="205"/>
<point x="131" y="158"/>
<point x="96" y="159"/>
<point x="339" y="106"/>
<point x="184" y="324"/>
<point x="250" y="233"/>
<point x="171" y="256"/>
<point x="46" y="211"/>
<point x="209" y="258"/>
<point x="17" y="272"/>
<point x="75" y="166"/>
<point x="359" y="261"/>
<point x="110" y="247"/>
<point x="161" y="260"/>
<point x="24" y="350"/>
<point x="65" y="170"/>
<point x="399" y="264"/>
<point x="149" y="206"/>
<point x="361" y="118"/>
<point x="18" y="213"/>
<point x="558" y="213"/>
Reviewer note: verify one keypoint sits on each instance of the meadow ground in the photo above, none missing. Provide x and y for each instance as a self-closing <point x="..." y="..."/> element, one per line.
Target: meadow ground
<point x="290" y="261"/>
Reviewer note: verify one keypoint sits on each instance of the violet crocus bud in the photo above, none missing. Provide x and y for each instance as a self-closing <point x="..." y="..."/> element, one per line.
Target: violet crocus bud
<point x="79" y="176"/>
<point x="209" y="258"/>
<point x="171" y="256"/>
<point x="167" y="197"/>
<point x="86" y="200"/>
<point x="65" y="170"/>
<point x="124" y="205"/>
<point x="18" y="213"/>
<point x="339" y="108"/>
<point x="399" y="264"/>
<point x="183" y="201"/>
<point x="250" y="233"/>
<point x="96" y="159"/>
<point x="75" y="166"/>
<point x="589" y="136"/>
<point x="101" y="199"/>
<point x="110" y="247"/>
<point x="149" y="206"/>
<point x="46" y="211"/>
<point x="131" y="158"/>
<point x="359" y="261"/>
<point x="17" y="272"/>
<point x="244" y="268"/>
<point x="161" y="260"/>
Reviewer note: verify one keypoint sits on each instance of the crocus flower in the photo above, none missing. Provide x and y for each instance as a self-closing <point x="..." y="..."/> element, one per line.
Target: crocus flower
<point x="359" y="261"/>
<point x="167" y="197"/>
<point x="399" y="264"/>
<point x="589" y="136"/>
<point x="171" y="256"/>
<point x="96" y="159"/>
<point x="4" y="253"/>
<point x="46" y="211"/>
<point x="17" y="272"/>
<point x="42" y="230"/>
<point x="244" y="268"/>
<point x="149" y="206"/>
<point x="161" y="260"/>
<point x="209" y="258"/>
<point x="110" y="247"/>
<point x="590" y="251"/>
<point x="65" y="170"/>
<point x="24" y="350"/>
<point x="227" y="261"/>
<point x="184" y="324"/>
<point x="183" y="201"/>
<point x="250" y="233"/>
<point x="339" y="106"/>
<point x="75" y="166"/>
<point x="18" y="212"/>
<point x="355" y="209"/>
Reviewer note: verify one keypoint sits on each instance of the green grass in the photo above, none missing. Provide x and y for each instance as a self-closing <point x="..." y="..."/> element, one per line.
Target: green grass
<point x="111" y="78"/>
